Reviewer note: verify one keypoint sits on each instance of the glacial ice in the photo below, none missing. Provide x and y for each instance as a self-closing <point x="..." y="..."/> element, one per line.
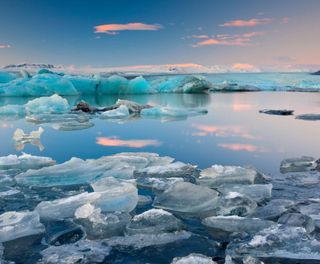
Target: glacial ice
<point x="54" y="104"/>
<point x="116" y="195"/>
<point x="257" y="192"/>
<point x="6" y="77"/>
<point x="25" y="162"/>
<point x="84" y="85"/>
<point x="299" y="164"/>
<point x="140" y="241"/>
<point x="153" y="221"/>
<point x="15" y="225"/>
<point x="221" y="227"/>
<point x="172" y="170"/>
<point x="219" y="175"/>
<point x="12" y="112"/>
<point x="99" y="225"/>
<point x="121" y="112"/>
<point x="179" y="199"/>
<point x="83" y="251"/>
<point x="157" y="184"/>
<point x="193" y="259"/>
<point x="299" y="220"/>
<point x="281" y="241"/>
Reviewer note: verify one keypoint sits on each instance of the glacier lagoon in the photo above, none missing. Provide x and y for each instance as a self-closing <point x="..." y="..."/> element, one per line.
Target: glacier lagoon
<point x="91" y="201"/>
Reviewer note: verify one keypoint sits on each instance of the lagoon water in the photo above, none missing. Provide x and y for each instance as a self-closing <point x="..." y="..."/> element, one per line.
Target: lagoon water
<point x="233" y="132"/>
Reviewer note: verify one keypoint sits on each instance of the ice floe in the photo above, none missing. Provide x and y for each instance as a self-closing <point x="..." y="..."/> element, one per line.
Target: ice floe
<point x="193" y="259"/>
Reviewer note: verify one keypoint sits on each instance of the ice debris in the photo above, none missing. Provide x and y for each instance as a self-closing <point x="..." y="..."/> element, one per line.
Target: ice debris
<point x="54" y="104"/>
<point x="15" y="225"/>
<point x="33" y="137"/>
<point x="283" y="112"/>
<point x="299" y="164"/>
<point x="193" y="259"/>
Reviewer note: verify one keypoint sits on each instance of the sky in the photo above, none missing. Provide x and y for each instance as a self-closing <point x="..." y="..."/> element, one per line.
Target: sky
<point x="242" y="33"/>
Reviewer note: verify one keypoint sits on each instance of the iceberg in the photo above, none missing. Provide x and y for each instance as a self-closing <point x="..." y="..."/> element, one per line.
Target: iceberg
<point x="6" y="77"/>
<point x="54" y="104"/>
<point x="83" y="251"/>
<point x="121" y="112"/>
<point x="84" y="85"/>
<point x="285" y="242"/>
<point x="15" y="225"/>
<point x="153" y="221"/>
<point x="222" y="227"/>
<point x="98" y="225"/>
<point x="179" y="199"/>
<point x="193" y="259"/>
<point x="38" y="85"/>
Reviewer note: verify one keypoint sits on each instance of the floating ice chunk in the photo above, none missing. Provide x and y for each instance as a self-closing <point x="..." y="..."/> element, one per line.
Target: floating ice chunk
<point x="168" y="113"/>
<point x="221" y="227"/>
<point x="311" y="208"/>
<point x="57" y="118"/>
<point x="12" y="112"/>
<point x="54" y="104"/>
<point x="227" y="86"/>
<point x="15" y="225"/>
<point x="234" y="203"/>
<point x="133" y="107"/>
<point x="173" y="170"/>
<point x="65" y="207"/>
<point x="285" y="242"/>
<point x="193" y="259"/>
<point x="273" y="210"/>
<point x="157" y="184"/>
<point x="22" y="138"/>
<point x="257" y="192"/>
<point x="9" y="192"/>
<point x="99" y="225"/>
<point x="25" y="162"/>
<point x="283" y="112"/>
<point x="219" y="175"/>
<point x="296" y="219"/>
<point x="121" y="112"/>
<point x="300" y="164"/>
<point x="178" y="199"/>
<point x="139" y="241"/>
<point x="115" y="195"/>
<point x="153" y="221"/>
<point x="83" y="251"/>
<point x="144" y="200"/>
<point x="63" y="232"/>
<point x="309" y="117"/>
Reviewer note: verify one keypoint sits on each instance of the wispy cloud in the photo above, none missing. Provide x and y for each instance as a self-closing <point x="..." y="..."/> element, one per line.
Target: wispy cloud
<point x="113" y="29"/>
<point x="222" y="131"/>
<point x="247" y="23"/>
<point x="200" y="36"/>
<point x="132" y="143"/>
<point x="4" y="46"/>
<point x="242" y="147"/>
<point x="229" y="39"/>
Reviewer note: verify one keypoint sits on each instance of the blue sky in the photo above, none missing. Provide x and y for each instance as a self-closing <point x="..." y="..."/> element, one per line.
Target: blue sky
<point x="207" y="32"/>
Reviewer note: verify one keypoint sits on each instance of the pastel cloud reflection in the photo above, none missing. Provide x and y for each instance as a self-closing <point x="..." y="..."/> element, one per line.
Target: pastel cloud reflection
<point x="242" y="147"/>
<point x="222" y="131"/>
<point x="131" y="143"/>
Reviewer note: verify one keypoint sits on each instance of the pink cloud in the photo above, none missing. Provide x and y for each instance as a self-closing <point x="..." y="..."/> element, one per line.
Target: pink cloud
<point x="222" y="131"/>
<point x="247" y="23"/>
<point x="285" y="20"/>
<point x="4" y="46"/>
<point x="229" y="39"/>
<point x="134" y="143"/>
<point x="238" y="107"/>
<point x="199" y="36"/>
<point x="242" y="147"/>
<point x="112" y="29"/>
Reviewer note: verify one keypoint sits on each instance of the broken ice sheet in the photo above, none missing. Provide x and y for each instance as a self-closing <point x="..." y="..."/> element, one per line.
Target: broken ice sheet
<point x="298" y="164"/>
<point x="21" y="138"/>
<point x="193" y="259"/>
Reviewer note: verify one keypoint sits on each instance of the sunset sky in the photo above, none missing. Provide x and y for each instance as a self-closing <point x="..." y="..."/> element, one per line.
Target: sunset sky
<point x="242" y="33"/>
